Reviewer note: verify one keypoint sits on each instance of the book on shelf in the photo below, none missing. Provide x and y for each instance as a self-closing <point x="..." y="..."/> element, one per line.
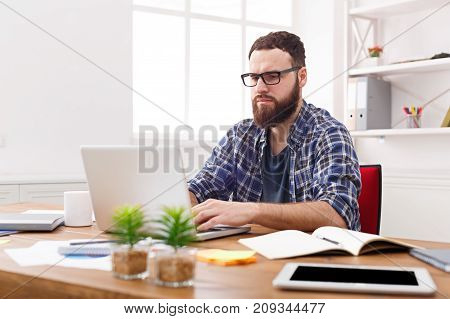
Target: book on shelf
<point x="328" y="239"/>
<point x="446" y="121"/>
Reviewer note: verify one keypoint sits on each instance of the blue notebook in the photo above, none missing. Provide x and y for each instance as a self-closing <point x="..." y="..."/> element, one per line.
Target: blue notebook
<point x="7" y="232"/>
<point x="439" y="258"/>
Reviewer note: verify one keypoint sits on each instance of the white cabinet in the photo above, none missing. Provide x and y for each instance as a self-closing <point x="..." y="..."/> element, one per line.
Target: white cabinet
<point x="48" y="193"/>
<point x="38" y="189"/>
<point x="9" y="194"/>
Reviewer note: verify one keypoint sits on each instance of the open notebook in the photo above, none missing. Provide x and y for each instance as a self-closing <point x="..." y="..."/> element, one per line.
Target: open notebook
<point x="294" y="243"/>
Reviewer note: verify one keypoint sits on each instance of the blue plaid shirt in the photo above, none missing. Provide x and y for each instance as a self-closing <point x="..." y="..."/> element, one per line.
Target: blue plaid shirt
<point x="323" y="165"/>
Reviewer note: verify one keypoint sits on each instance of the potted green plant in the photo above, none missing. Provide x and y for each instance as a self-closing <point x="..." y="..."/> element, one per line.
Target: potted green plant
<point x="129" y="259"/>
<point x="175" y="267"/>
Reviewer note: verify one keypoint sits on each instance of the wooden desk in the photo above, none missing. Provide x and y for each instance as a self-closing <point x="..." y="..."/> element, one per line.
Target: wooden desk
<point x="249" y="281"/>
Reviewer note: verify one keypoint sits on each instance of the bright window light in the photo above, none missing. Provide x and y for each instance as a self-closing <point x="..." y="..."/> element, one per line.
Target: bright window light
<point x="158" y="69"/>
<point x="269" y="11"/>
<point x="188" y="57"/>
<point x="215" y="84"/>
<point x="162" y="4"/>
<point x="220" y="8"/>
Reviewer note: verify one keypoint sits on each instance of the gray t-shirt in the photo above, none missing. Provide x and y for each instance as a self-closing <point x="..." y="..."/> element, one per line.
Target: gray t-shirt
<point x="275" y="176"/>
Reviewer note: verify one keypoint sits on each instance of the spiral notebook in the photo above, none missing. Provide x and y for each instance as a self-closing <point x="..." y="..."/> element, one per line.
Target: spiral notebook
<point x="94" y="250"/>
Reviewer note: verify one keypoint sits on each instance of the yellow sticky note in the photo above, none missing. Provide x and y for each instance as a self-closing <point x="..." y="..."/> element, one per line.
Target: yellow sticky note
<point x="4" y="241"/>
<point x="227" y="257"/>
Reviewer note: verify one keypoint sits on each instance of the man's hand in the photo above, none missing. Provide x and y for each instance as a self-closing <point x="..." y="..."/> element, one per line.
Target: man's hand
<point x="305" y="216"/>
<point x="213" y="212"/>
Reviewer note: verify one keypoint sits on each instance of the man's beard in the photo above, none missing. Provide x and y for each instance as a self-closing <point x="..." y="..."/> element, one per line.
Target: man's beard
<point x="267" y="116"/>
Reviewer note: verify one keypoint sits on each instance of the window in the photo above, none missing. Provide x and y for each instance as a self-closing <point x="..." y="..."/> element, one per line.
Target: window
<point x="188" y="57"/>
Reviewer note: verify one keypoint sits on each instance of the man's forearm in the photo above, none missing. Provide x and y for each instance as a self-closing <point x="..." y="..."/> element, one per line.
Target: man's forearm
<point x="305" y="216"/>
<point x="193" y="199"/>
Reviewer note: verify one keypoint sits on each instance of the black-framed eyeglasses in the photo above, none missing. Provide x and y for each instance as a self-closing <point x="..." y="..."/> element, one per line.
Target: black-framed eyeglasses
<point x="269" y="78"/>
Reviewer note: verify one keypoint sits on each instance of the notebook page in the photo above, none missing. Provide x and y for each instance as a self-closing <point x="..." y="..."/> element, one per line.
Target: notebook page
<point x="287" y="243"/>
<point x="353" y="241"/>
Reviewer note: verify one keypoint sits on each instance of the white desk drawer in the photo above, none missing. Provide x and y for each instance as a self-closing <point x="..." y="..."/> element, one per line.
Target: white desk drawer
<point x="9" y="194"/>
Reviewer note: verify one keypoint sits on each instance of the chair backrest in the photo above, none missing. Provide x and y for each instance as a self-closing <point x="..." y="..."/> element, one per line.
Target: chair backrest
<point x="370" y="199"/>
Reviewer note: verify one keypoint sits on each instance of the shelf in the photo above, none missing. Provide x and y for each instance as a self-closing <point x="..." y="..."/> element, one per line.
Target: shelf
<point x="407" y="67"/>
<point x="394" y="8"/>
<point x="402" y="132"/>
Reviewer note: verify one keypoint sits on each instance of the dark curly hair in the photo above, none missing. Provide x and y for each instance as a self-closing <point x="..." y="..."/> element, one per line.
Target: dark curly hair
<point x="284" y="41"/>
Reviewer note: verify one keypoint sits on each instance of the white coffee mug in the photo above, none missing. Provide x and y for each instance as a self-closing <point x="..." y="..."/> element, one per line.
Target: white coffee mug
<point x="77" y="209"/>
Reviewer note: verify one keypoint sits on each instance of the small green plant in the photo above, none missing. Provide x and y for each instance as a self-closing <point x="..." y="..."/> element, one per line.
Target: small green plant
<point x="128" y="223"/>
<point x="175" y="227"/>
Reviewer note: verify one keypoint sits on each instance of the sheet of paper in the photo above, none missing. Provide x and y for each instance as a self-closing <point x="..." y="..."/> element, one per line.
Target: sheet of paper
<point x="46" y="253"/>
<point x="4" y="241"/>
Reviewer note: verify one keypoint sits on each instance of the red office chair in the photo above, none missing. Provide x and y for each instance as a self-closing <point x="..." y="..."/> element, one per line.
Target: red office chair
<point x="370" y="199"/>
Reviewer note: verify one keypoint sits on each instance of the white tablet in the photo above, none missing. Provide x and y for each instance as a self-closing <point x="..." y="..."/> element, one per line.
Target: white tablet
<point x="355" y="278"/>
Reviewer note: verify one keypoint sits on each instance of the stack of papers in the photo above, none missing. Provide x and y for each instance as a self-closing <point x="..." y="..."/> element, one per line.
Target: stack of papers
<point x="45" y="252"/>
<point x="227" y="257"/>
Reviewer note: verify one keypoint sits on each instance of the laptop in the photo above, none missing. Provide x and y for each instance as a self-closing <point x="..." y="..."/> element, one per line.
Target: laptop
<point x="151" y="177"/>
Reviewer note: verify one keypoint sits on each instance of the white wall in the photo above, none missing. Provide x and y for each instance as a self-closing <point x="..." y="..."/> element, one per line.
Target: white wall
<point x="52" y="100"/>
<point x="315" y="24"/>
<point x="416" y="184"/>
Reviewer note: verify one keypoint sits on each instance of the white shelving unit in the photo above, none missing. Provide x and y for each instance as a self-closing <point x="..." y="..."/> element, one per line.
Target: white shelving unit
<point x="402" y="68"/>
<point x="416" y="180"/>
<point x="38" y="188"/>
<point x="402" y="132"/>
<point x="358" y="40"/>
<point x="380" y="11"/>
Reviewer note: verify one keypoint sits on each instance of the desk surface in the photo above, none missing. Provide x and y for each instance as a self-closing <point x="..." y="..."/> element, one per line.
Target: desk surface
<point x="248" y="281"/>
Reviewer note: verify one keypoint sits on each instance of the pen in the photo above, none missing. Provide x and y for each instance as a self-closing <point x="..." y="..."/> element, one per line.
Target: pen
<point x="331" y="241"/>
<point x="406" y="110"/>
<point x="93" y="242"/>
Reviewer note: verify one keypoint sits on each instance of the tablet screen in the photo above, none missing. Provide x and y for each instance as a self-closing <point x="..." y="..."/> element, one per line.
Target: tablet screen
<point x="352" y="275"/>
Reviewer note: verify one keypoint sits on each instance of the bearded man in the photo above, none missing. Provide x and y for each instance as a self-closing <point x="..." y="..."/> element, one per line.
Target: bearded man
<point x="293" y="166"/>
